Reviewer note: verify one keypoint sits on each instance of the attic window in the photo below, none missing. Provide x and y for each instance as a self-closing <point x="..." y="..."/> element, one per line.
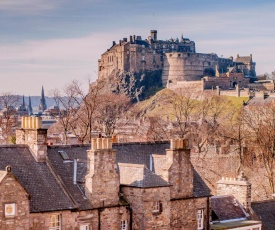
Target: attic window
<point x="64" y="155"/>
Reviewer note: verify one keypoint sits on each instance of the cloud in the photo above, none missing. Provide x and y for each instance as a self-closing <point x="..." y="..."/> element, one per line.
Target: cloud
<point x="26" y="6"/>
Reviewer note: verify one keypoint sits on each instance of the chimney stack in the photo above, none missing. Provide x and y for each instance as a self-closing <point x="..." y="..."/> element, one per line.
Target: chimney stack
<point x="32" y="134"/>
<point x="102" y="179"/>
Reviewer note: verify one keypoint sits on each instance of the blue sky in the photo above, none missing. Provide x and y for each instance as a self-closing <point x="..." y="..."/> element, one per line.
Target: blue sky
<point x="52" y="42"/>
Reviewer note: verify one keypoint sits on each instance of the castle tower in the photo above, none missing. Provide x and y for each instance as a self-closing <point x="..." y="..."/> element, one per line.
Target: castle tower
<point x="34" y="136"/>
<point x="30" y="107"/>
<point x="42" y="105"/>
<point x="102" y="179"/>
<point x="240" y="188"/>
<point x="154" y="35"/>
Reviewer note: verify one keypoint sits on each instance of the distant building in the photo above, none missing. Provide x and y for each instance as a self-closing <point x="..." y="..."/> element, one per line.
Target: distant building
<point x="42" y="104"/>
<point x="177" y="60"/>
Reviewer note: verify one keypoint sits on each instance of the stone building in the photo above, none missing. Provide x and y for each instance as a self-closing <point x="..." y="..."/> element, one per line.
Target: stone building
<point x="102" y="186"/>
<point x="176" y="60"/>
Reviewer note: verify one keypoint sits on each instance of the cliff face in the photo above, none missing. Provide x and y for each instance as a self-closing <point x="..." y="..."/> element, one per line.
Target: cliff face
<point x="137" y="86"/>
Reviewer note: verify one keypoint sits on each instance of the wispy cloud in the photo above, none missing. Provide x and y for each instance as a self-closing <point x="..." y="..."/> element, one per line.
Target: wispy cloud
<point x="27" y="6"/>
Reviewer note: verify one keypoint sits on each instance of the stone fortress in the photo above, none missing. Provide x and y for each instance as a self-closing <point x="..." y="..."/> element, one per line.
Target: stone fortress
<point x="177" y="61"/>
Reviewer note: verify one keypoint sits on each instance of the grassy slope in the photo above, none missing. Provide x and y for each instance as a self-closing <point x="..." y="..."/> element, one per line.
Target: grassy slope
<point x="159" y="104"/>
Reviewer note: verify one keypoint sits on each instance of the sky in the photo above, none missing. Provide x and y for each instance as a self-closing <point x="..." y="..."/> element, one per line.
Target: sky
<point x="53" y="42"/>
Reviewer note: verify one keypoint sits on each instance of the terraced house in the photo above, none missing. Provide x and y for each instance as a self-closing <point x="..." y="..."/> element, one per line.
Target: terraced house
<point x="101" y="186"/>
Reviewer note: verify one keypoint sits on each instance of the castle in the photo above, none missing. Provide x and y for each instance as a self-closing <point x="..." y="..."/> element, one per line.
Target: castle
<point x="177" y="60"/>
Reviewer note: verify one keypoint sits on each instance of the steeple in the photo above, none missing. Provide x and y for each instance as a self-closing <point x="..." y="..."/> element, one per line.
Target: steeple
<point x="181" y="39"/>
<point x="42" y="105"/>
<point x="30" y="107"/>
<point x="23" y="104"/>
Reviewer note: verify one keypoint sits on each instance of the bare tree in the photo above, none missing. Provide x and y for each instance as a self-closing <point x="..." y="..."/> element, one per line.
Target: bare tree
<point x="8" y="117"/>
<point x="261" y="122"/>
<point x="67" y="108"/>
<point x="85" y="117"/>
<point x="110" y="108"/>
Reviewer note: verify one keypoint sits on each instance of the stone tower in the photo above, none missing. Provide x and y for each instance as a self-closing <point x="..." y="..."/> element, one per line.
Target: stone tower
<point x="34" y="136"/>
<point x="102" y="179"/>
<point x="42" y="105"/>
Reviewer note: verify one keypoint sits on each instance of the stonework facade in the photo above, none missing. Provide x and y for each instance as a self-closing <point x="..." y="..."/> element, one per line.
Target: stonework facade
<point x="177" y="59"/>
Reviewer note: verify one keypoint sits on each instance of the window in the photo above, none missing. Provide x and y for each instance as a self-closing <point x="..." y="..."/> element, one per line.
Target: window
<point x="157" y="207"/>
<point x="10" y="210"/>
<point x="55" y="222"/>
<point x="200" y="219"/>
<point x="123" y="224"/>
<point x="84" y="227"/>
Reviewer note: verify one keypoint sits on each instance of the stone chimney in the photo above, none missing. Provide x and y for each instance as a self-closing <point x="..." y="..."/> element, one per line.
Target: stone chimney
<point x="239" y="187"/>
<point x="32" y="134"/>
<point x="102" y="179"/>
<point x="175" y="167"/>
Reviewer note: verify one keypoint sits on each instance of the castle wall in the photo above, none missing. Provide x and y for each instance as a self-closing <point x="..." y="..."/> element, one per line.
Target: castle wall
<point x="186" y="66"/>
<point x="184" y="213"/>
<point x="226" y="82"/>
<point x="145" y="215"/>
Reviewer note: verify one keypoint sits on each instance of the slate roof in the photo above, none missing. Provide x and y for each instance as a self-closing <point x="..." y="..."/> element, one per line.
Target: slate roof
<point x="140" y="177"/>
<point x="227" y="208"/>
<point x="265" y="210"/>
<point x="46" y="193"/>
<point x="244" y="59"/>
<point x="51" y="186"/>
<point x="260" y="100"/>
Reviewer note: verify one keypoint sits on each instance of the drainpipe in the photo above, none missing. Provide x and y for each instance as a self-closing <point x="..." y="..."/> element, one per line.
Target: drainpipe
<point x="99" y="211"/>
<point x="131" y="217"/>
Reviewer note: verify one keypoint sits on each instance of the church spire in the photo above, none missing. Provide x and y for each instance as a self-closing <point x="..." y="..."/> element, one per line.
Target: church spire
<point x="23" y="103"/>
<point x="42" y="105"/>
<point x="30" y="106"/>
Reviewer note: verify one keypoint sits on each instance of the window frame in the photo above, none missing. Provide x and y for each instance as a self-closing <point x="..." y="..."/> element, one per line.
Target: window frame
<point x="58" y="221"/>
<point x="200" y="219"/>
<point x="123" y="225"/>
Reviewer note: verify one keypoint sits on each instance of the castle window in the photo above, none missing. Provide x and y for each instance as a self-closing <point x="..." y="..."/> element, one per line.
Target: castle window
<point x="200" y="219"/>
<point x="55" y="222"/>
<point x="123" y="225"/>
<point x="84" y="227"/>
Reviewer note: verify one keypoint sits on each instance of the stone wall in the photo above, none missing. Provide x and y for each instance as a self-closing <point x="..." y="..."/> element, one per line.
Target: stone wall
<point x="142" y="201"/>
<point x="241" y="190"/>
<point x="110" y="218"/>
<point x="11" y="192"/>
<point x="188" y="208"/>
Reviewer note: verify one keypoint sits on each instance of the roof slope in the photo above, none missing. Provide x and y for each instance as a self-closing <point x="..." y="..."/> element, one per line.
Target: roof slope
<point x="140" y="176"/>
<point x="46" y="194"/>
<point x="227" y="208"/>
<point x="265" y="210"/>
